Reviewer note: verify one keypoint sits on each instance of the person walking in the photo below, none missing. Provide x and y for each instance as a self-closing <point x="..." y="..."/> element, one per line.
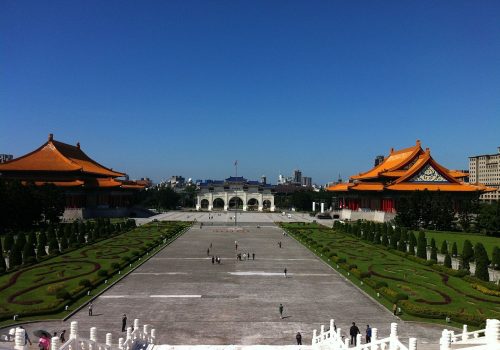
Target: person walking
<point x="208" y="251"/>
<point x="299" y="338"/>
<point x="213" y="260"/>
<point x="90" y="308"/>
<point x="253" y="256"/>
<point x="62" y="337"/>
<point x="279" y="244"/>
<point x="368" y="334"/>
<point x="26" y="336"/>
<point x="395" y="309"/>
<point x="124" y="322"/>
<point x="285" y="271"/>
<point x="281" y="310"/>
<point x="353" y="332"/>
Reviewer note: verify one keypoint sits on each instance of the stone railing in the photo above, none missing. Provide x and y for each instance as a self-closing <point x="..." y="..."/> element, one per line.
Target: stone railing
<point x="488" y="338"/>
<point x="332" y="339"/>
<point x="76" y="342"/>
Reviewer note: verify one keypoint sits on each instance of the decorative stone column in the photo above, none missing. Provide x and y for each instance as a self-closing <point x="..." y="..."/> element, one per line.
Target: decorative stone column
<point x="109" y="339"/>
<point x="55" y="343"/>
<point x="19" y="339"/>
<point x="322" y="208"/>
<point x="412" y="344"/>
<point x="73" y="332"/>
<point x="226" y="201"/>
<point x="492" y="333"/>
<point x="314" y="206"/>
<point x="465" y="336"/>
<point x="211" y="201"/>
<point x="394" y="336"/>
<point x="445" y="341"/>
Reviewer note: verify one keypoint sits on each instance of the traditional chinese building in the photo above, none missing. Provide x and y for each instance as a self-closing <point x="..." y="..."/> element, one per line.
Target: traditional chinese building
<point x="235" y="193"/>
<point x="90" y="188"/>
<point x="397" y="175"/>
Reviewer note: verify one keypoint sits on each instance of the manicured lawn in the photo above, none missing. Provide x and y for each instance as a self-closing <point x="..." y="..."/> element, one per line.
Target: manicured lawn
<point x="459" y="237"/>
<point x="423" y="285"/>
<point x="33" y="289"/>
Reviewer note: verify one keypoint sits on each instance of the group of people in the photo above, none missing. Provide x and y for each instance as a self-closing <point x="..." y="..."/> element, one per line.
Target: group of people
<point x="44" y="341"/>
<point x="216" y="259"/>
<point x="354" y="331"/>
<point x="244" y="256"/>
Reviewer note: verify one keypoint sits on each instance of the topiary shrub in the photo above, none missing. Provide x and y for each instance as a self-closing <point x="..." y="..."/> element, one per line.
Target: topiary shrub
<point x="102" y="273"/>
<point x="85" y="283"/>
<point x="63" y="294"/>
<point x="115" y="266"/>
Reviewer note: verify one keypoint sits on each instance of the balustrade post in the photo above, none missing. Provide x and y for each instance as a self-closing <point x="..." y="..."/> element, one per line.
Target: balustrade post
<point x="332" y="325"/>
<point x="129" y="333"/>
<point x="374" y="334"/>
<point x="358" y="339"/>
<point x="120" y="343"/>
<point x="346" y="342"/>
<point x="445" y="341"/>
<point x="73" y="332"/>
<point x="314" y="336"/>
<point x="145" y="331"/>
<point x="412" y="344"/>
<point x="322" y="332"/>
<point x="153" y="336"/>
<point x="109" y="339"/>
<point x="393" y="342"/>
<point x="55" y="343"/>
<point x="93" y="338"/>
<point x="19" y="339"/>
<point x="465" y="336"/>
<point x="492" y="333"/>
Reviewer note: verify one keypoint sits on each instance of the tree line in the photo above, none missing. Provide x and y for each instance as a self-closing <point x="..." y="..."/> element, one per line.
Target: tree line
<point x="407" y="241"/>
<point x="437" y="211"/>
<point x="23" y="248"/>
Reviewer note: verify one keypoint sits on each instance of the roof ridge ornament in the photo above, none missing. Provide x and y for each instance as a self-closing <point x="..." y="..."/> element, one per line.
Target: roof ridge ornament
<point x="78" y="145"/>
<point x="418" y="143"/>
<point x="51" y="137"/>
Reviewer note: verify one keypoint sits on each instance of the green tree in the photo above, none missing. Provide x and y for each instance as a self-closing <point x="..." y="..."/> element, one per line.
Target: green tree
<point x="53" y="246"/>
<point x="454" y="249"/>
<point x="495" y="258"/>
<point x="40" y="249"/>
<point x="385" y="240"/>
<point x="20" y="240"/>
<point x="3" y="266"/>
<point x="482" y="262"/>
<point x="29" y="255"/>
<point x="422" y="246"/>
<point x="15" y="256"/>
<point x="64" y="243"/>
<point x="413" y="243"/>
<point x="434" y="253"/>
<point x="467" y="255"/>
<point x="402" y="246"/>
<point x="9" y="241"/>
<point x="444" y="247"/>
<point x="488" y="219"/>
<point x="447" y="261"/>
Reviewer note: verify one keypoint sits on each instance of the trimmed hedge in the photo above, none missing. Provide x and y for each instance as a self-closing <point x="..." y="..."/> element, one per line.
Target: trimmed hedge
<point x="427" y="311"/>
<point x="451" y="272"/>
<point x="392" y="295"/>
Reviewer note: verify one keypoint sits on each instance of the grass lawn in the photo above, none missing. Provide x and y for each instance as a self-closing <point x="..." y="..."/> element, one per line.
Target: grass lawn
<point x="32" y="290"/>
<point x="423" y="285"/>
<point x="459" y="237"/>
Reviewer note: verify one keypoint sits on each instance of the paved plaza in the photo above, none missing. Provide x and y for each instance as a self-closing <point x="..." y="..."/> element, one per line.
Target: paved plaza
<point x="189" y="300"/>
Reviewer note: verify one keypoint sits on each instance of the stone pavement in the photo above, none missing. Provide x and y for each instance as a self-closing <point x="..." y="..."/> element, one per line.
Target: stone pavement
<point x="191" y="301"/>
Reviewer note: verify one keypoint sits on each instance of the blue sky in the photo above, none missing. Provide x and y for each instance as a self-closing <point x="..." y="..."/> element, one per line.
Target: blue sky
<point x="157" y="88"/>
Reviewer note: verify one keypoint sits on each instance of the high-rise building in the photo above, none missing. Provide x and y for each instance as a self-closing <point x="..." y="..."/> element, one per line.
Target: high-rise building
<point x="263" y="179"/>
<point x="6" y="157"/>
<point x="485" y="169"/>
<point x="297" y="176"/>
<point x="306" y="181"/>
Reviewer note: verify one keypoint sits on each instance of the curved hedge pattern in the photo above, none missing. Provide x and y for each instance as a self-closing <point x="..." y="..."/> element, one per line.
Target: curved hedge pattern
<point x="420" y="288"/>
<point x="29" y="291"/>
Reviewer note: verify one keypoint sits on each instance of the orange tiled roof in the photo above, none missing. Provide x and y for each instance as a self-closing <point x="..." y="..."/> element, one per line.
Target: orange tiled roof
<point x="75" y="183"/>
<point x="410" y="169"/>
<point x="58" y="156"/>
<point x="395" y="161"/>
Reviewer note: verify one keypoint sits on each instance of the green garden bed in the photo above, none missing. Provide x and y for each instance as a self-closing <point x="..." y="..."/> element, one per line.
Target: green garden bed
<point x="46" y="288"/>
<point x="422" y="292"/>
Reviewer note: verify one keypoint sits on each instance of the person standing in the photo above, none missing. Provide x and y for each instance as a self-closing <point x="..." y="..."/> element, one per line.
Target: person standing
<point x="299" y="338"/>
<point x="353" y="332"/>
<point x="281" y="310"/>
<point x="124" y="323"/>
<point x="90" y="308"/>
<point x="285" y="271"/>
<point x="62" y="337"/>
<point x="253" y="256"/>
<point x="208" y="251"/>
<point x="395" y="309"/>
<point x="213" y="259"/>
<point x="368" y="333"/>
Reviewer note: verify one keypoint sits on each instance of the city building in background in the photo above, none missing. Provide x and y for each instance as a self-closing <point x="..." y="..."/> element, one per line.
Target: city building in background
<point x="295" y="180"/>
<point x="297" y="177"/>
<point x="306" y="181"/>
<point x="145" y="181"/>
<point x="485" y="169"/>
<point x="6" y="157"/>
<point x="235" y="193"/>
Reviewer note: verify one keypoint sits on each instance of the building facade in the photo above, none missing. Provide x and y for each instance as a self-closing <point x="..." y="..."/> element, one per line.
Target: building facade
<point x="90" y="189"/>
<point x="398" y="175"/>
<point x="485" y="169"/>
<point x="235" y="193"/>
